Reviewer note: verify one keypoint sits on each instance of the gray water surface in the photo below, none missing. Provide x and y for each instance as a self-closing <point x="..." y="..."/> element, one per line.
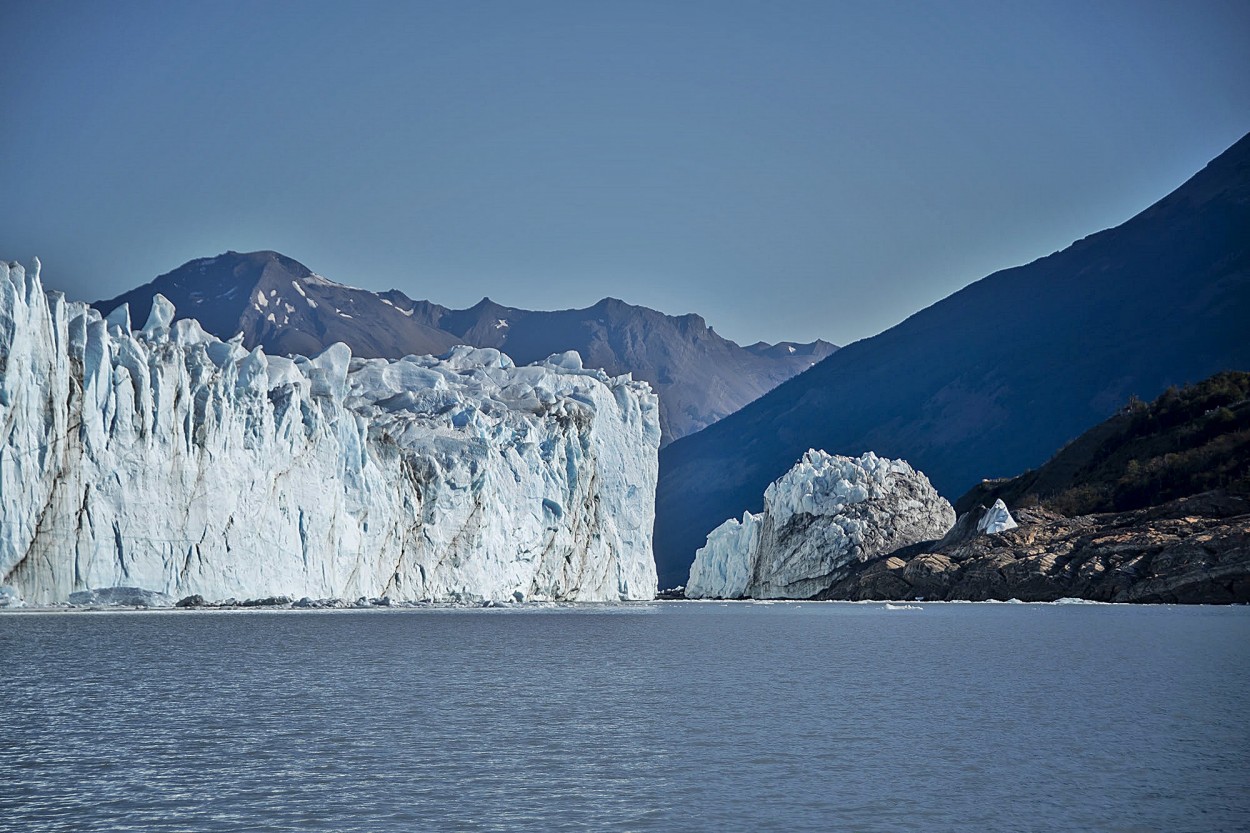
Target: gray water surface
<point x="670" y="716"/>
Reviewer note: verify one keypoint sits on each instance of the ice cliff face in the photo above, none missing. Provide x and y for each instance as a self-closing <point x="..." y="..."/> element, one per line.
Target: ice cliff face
<point x="824" y="515"/>
<point x="169" y="460"/>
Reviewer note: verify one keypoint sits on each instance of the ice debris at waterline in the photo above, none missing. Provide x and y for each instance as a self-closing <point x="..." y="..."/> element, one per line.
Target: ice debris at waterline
<point x="169" y="460"/>
<point x="825" y="514"/>
<point x="120" y="597"/>
<point x="9" y="597"/>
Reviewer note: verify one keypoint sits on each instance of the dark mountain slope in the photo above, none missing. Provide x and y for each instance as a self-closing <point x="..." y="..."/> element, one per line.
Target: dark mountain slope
<point x="279" y="304"/>
<point x="993" y="379"/>
<point x="700" y="376"/>
<point x="1152" y="505"/>
<point x="1187" y="441"/>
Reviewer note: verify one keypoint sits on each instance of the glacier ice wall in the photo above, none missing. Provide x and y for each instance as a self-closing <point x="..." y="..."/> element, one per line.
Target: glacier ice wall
<point x="821" y="516"/>
<point x="167" y="459"/>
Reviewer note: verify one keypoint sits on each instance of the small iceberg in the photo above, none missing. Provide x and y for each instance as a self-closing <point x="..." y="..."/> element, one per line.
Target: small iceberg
<point x="996" y="519"/>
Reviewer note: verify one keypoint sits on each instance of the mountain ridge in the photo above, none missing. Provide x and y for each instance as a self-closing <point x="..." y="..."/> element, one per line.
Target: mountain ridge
<point x="278" y="303"/>
<point x="992" y="379"/>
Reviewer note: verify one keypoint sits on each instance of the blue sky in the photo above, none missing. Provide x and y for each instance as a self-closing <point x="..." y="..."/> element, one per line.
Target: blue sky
<point x="788" y="170"/>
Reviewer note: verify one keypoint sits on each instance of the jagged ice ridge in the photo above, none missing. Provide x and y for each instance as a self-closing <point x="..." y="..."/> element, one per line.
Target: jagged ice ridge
<point x="170" y="460"/>
<point x="825" y="514"/>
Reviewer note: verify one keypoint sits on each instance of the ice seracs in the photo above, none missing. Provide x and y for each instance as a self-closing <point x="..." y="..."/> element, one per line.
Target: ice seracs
<point x="167" y="460"/>
<point x="825" y="514"/>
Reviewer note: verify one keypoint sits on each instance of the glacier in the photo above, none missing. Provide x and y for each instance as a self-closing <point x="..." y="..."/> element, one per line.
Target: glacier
<point x="825" y="514"/>
<point x="166" y="459"/>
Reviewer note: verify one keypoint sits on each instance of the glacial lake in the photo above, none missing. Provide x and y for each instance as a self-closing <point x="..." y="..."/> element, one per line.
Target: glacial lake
<point x="664" y="716"/>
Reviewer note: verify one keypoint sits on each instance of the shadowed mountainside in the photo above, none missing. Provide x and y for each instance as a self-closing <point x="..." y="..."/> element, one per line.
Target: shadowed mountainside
<point x="1187" y="441"/>
<point x="994" y="378"/>
<point x="1152" y="505"/>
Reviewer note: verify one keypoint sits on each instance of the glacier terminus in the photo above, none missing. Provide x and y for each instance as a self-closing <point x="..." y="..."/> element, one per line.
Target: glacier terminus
<point x="166" y="459"/>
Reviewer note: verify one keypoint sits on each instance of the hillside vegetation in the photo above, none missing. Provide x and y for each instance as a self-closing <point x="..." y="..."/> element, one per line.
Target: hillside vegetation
<point x="1189" y="440"/>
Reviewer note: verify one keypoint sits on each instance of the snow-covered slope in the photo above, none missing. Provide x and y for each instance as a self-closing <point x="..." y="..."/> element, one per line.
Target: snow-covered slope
<point x="169" y="460"/>
<point x="822" y="516"/>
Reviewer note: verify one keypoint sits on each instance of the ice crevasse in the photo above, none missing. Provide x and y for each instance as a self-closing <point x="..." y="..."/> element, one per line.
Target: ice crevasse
<point x="167" y="459"/>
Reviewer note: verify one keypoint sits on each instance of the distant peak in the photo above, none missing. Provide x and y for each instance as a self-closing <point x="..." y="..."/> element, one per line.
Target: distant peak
<point x="242" y="263"/>
<point x="486" y="305"/>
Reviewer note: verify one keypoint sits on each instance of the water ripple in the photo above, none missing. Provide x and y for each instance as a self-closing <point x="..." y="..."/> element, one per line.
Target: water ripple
<point x="691" y="717"/>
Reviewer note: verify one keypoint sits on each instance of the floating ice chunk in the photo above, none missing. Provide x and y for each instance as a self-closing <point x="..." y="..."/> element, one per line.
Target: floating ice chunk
<point x="9" y="597"/>
<point x="996" y="519"/>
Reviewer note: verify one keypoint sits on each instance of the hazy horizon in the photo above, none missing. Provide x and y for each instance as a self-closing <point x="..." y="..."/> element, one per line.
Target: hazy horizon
<point x="789" y="172"/>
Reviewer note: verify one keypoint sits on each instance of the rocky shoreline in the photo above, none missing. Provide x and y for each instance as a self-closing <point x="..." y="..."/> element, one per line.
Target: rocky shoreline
<point x="1194" y="550"/>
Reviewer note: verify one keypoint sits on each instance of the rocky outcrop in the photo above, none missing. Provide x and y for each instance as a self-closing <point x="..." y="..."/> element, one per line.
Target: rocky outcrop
<point x="1192" y="550"/>
<point x="820" y="520"/>
<point x="168" y="460"/>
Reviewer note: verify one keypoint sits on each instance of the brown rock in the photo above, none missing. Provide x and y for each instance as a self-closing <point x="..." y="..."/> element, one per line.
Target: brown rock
<point x="1172" y="553"/>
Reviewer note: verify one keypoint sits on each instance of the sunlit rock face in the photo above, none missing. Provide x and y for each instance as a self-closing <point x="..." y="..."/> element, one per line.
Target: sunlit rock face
<point x="168" y="460"/>
<point x="823" y="516"/>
